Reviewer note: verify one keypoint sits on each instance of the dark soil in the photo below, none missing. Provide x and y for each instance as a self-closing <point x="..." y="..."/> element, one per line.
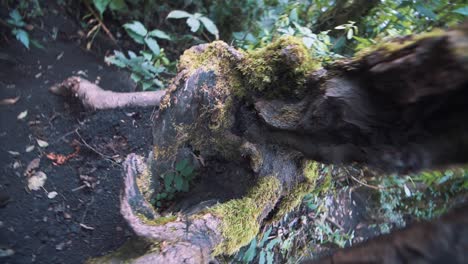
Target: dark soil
<point x="43" y="230"/>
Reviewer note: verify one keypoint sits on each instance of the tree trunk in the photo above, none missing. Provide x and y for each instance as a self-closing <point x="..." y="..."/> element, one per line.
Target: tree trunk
<point x="258" y="128"/>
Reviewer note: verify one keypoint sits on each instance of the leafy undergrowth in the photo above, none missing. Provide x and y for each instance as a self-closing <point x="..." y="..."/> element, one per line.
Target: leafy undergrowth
<point x="382" y="204"/>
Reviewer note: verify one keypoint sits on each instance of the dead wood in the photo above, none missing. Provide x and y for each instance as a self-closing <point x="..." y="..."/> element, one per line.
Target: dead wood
<point x="94" y="97"/>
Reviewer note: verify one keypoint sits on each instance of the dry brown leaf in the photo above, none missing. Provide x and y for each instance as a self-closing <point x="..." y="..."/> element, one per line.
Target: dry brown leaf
<point x="60" y="159"/>
<point x="9" y="101"/>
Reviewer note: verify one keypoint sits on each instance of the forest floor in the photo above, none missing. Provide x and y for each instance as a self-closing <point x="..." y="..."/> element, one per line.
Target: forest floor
<point x="83" y="219"/>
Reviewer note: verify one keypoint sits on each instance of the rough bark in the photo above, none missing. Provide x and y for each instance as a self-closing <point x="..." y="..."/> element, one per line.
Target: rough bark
<point x="94" y="97"/>
<point x="259" y="127"/>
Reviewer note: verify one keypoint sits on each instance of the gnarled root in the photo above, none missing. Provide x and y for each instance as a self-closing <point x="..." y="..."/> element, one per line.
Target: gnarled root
<point x="94" y="97"/>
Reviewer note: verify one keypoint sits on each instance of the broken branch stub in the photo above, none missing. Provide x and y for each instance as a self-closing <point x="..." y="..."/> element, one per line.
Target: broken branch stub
<point x="94" y="97"/>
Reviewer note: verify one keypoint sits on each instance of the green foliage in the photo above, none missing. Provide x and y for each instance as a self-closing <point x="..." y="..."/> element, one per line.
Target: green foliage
<point x="422" y="196"/>
<point x="175" y="181"/>
<point x="195" y="20"/>
<point x="114" y="5"/>
<point x="16" y="22"/>
<point x="146" y="67"/>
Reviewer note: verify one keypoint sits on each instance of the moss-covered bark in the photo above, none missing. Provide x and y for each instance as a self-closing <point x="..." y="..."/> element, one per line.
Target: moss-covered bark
<point x="270" y="117"/>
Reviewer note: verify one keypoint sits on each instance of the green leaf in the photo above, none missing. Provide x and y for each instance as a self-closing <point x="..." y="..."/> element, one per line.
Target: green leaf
<point x="168" y="179"/>
<point x="187" y="171"/>
<point x="159" y="34"/>
<point x="265" y="237"/>
<point x="118" y="5"/>
<point x="16" y="19"/>
<point x="261" y="259"/>
<point x="193" y="23"/>
<point x="146" y="86"/>
<point x="251" y="252"/>
<point x="178" y="14"/>
<point x="137" y="38"/>
<point x="423" y="10"/>
<point x="152" y="45"/>
<point x="36" y="44"/>
<point x="272" y="243"/>
<point x="178" y="181"/>
<point x="181" y="164"/>
<point x="210" y="26"/>
<point x="101" y="5"/>
<point x="22" y="36"/>
<point x="135" y="77"/>
<point x="185" y="186"/>
<point x="461" y="10"/>
<point x="269" y="258"/>
<point x="137" y="28"/>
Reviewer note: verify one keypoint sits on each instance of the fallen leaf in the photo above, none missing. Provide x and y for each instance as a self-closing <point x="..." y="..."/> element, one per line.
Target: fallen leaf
<point x="86" y="227"/>
<point x="29" y="148"/>
<point x="32" y="166"/>
<point x="60" y="159"/>
<point x="16" y="165"/>
<point x="52" y="195"/>
<point x="60" y="56"/>
<point x="60" y="246"/>
<point x="14" y="153"/>
<point x="37" y="181"/>
<point x="42" y="143"/>
<point x="22" y="115"/>
<point x="67" y="215"/>
<point x="9" y="101"/>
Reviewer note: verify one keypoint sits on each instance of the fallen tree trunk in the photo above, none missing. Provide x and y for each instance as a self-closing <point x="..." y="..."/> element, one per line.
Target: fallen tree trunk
<point x="258" y="129"/>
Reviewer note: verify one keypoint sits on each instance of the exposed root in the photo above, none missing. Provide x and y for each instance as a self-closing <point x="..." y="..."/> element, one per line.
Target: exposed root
<point x="94" y="97"/>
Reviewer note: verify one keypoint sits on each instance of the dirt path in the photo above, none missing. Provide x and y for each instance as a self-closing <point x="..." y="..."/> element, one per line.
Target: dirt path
<point x="43" y="230"/>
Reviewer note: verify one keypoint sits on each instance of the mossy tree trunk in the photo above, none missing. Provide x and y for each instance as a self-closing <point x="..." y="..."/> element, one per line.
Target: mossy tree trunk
<point x="257" y="127"/>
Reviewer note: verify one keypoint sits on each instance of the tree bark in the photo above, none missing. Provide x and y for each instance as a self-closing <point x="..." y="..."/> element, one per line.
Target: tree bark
<point x="260" y="127"/>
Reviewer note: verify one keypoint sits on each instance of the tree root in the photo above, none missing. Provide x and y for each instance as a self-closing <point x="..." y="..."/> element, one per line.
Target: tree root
<point x="94" y="97"/>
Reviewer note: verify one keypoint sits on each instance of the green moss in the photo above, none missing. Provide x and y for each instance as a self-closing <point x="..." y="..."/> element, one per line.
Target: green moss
<point x="389" y="47"/>
<point x="279" y="68"/>
<point x="240" y="216"/>
<point x="294" y="198"/>
<point x="157" y="221"/>
<point x="131" y="250"/>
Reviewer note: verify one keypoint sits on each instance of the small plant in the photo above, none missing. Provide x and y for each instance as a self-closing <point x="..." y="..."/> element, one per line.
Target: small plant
<point x="146" y="67"/>
<point x="175" y="181"/>
<point x="18" y="25"/>
<point x="194" y="21"/>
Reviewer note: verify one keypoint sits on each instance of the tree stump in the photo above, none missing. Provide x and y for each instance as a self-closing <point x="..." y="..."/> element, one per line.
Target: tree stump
<point x="247" y="134"/>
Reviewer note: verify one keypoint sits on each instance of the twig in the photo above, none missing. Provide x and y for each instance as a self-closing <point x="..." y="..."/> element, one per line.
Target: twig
<point x="334" y="223"/>
<point x="365" y="184"/>
<point x="109" y="34"/>
<point x="79" y="188"/>
<point x="108" y="158"/>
